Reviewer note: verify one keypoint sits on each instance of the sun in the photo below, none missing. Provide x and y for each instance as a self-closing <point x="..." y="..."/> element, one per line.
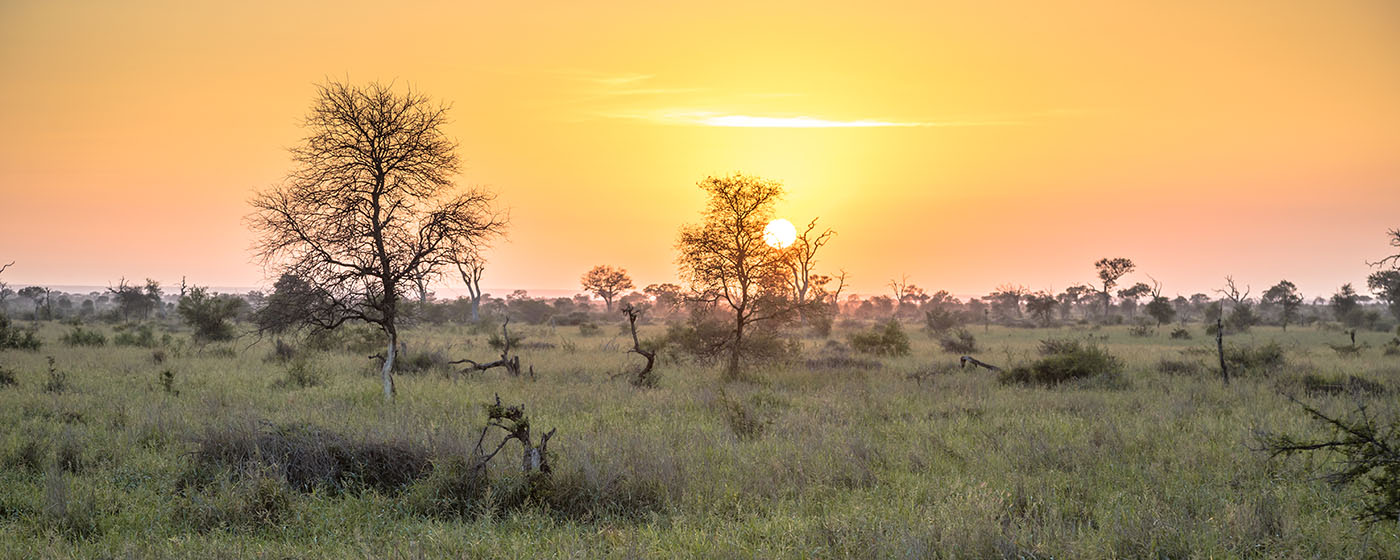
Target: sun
<point x="779" y="233"/>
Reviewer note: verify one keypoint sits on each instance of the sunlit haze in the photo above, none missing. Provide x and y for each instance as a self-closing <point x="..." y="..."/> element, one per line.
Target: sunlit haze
<point x="963" y="146"/>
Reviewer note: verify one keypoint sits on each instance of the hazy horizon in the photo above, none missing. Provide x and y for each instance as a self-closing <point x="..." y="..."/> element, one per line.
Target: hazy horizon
<point x="964" y="148"/>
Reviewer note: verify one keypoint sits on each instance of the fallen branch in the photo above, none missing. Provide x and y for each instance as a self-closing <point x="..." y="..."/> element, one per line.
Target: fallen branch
<point x="963" y="361"/>
<point x="510" y="363"/>
<point x="643" y="378"/>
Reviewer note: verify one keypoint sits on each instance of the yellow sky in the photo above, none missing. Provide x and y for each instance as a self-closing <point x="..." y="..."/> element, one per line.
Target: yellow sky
<point x="965" y="146"/>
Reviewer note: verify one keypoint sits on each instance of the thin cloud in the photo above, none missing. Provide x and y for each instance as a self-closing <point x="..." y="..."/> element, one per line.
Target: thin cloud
<point x="714" y="119"/>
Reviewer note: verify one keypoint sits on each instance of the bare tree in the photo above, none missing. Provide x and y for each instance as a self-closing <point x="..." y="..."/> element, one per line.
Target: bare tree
<point x="643" y="378"/>
<point x="471" y="266"/>
<point x="1110" y="271"/>
<point x="725" y="258"/>
<point x="606" y="282"/>
<point x="802" y="257"/>
<point x="4" y="287"/>
<point x="371" y="205"/>
<point x="1232" y="292"/>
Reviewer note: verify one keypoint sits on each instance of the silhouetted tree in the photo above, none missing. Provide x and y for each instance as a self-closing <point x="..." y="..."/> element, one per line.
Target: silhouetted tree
<point x="1241" y="315"/>
<point x="606" y="282"/>
<point x="802" y="258"/>
<point x="1071" y="297"/>
<point x="725" y="258"/>
<point x="133" y="301"/>
<point x="1006" y="300"/>
<point x="1159" y="307"/>
<point x="1131" y="295"/>
<point x="208" y="314"/>
<point x="1041" y="305"/>
<point x="4" y="287"/>
<point x="371" y="205"/>
<point x="1345" y="306"/>
<point x="295" y="303"/>
<point x="667" y="296"/>
<point x="1110" y="271"/>
<point x="1283" y="295"/>
<point x="471" y="266"/>
<point x="1385" y="285"/>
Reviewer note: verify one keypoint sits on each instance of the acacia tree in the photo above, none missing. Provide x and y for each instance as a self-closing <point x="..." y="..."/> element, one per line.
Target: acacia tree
<point x="1285" y="296"/>
<point x="606" y="282"/>
<point x="1110" y="271"/>
<point x="370" y="206"/>
<point x="471" y="266"/>
<point x="725" y="258"/>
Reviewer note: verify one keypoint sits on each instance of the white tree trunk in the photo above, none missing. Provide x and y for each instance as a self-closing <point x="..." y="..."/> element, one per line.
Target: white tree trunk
<point x="388" y="370"/>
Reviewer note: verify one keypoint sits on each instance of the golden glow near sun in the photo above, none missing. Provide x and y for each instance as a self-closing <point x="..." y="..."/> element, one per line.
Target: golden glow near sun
<point x="779" y="233"/>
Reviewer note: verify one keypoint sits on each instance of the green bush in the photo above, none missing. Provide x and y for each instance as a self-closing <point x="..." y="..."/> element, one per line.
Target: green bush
<point x="19" y="338"/>
<point x="959" y="341"/>
<point x="1065" y="360"/>
<point x="1261" y="360"/>
<point x="83" y="337"/>
<point x="886" y="339"/>
<point x="142" y="335"/>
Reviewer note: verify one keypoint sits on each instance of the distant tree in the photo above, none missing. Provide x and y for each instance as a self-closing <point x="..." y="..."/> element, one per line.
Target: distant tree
<point x="136" y="302"/>
<point x="1241" y="315"/>
<point x="1006" y="300"/>
<point x="668" y="297"/>
<point x="1131" y="295"/>
<point x="1385" y="285"/>
<point x="294" y="304"/>
<point x="371" y="206"/>
<point x="1041" y="305"/>
<point x="34" y="294"/>
<point x="606" y="282"/>
<point x="1072" y="297"/>
<point x="1284" y="296"/>
<point x="725" y="258"/>
<point x="471" y="266"/>
<point x="1159" y="307"/>
<point x="208" y="314"/>
<point x="1346" y="307"/>
<point x="4" y="287"/>
<point x="801" y="260"/>
<point x="1110" y="271"/>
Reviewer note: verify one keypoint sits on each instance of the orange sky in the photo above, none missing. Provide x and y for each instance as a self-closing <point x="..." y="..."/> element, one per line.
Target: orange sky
<point x="1011" y="142"/>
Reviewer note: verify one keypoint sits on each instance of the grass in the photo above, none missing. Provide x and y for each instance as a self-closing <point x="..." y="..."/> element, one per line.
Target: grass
<point x="846" y="459"/>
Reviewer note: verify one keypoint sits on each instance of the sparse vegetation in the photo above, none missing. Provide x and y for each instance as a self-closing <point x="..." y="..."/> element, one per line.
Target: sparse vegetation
<point x="884" y="339"/>
<point x="1065" y="360"/>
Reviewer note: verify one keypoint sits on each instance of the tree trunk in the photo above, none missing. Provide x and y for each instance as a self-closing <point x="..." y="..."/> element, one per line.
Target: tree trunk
<point x="476" y="309"/>
<point x="388" y="370"/>
<point x="733" y="371"/>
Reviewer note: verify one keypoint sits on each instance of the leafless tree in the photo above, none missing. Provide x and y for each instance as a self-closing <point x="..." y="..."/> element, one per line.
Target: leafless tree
<point x="471" y="266"/>
<point x="725" y="258"/>
<point x="802" y="257"/>
<point x="370" y="206"/>
<point x="1232" y="292"/>
<point x="606" y="282"/>
<point x="643" y="378"/>
<point x="4" y="286"/>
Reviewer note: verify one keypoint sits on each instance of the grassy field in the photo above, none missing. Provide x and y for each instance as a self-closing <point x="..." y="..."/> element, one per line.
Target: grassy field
<point x="911" y="459"/>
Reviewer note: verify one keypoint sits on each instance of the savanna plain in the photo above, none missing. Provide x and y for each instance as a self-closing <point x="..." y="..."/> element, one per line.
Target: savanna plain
<point x="285" y="449"/>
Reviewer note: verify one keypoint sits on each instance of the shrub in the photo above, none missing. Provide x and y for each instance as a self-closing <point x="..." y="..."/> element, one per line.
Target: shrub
<point x="589" y="329"/>
<point x="18" y="338"/>
<point x="939" y="320"/>
<point x="83" y="337"/>
<point x="887" y="339"/>
<point x="1314" y="383"/>
<point x="424" y="362"/>
<point x="300" y="374"/>
<point x="209" y="314"/>
<point x="455" y="488"/>
<point x="57" y="381"/>
<point x="7" y="378"/>
<point x="959" y="341"/>
<point x="1180" y="367"/>
<point x="1181" y="334"/>
<point x="257" y="502"/>
<point x="307" y="458"/>
<point x="1065" y="361"/>
<point x="69" y="454"/>
<point x="745" y="419"/>
<point x="31" y="454"/>
<point x="167" y="382"/>
<point x="1369" y="447"/>
<point x="496" y="342"/>
<point x="1140" y="330"/>
<point x="1261" y="359"/>
<point x="142" y="335"/>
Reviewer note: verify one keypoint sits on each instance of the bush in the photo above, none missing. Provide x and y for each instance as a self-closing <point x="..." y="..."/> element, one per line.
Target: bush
<point x="300" y="374"/>
<point x="1065" y="360"/>
<point x="455" y="488"/>
<point x="308" y="458"/>
<point x="57" y="381"/>
<point x="1262" y="359"/>
<point x="959" y="341"/>
<point x="259" y="502"/>
<point x="424" y="362"/>
<point x="589" y="329"/>
<point x="1140" y="330"/>
<point x="142" y="335"/>
<point x="83" y="337"/>
<point x="939" y="320"/>
<point x="886" y="339"/>
<point x="1369" y="448"/>
<point x="1181" y="334"/>
<point x="209" y="314"/>
<point x="7" y="378"/>
<point x="18" y="338"/>
<point x="1314" y="383"/>
<point x="1180" y="367"/>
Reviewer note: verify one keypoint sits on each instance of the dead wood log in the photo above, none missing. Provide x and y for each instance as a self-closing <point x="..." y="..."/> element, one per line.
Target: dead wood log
<point x="963" y="361"/>
<point x="643" y="378"/>
<point x="510" y="363"/>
